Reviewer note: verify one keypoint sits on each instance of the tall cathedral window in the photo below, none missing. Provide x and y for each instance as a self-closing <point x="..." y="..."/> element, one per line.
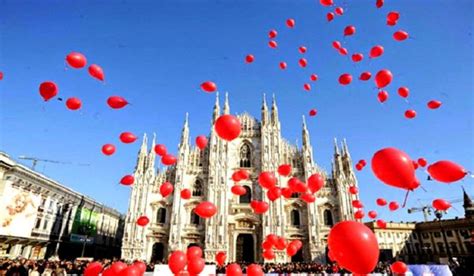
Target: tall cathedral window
<point x="194" y="218"/>
<point x="245" y="198"/>
<point x="295" y="217"/>
<point x="161" y="215"/>
<point x="197" y="188"/>
<point x="245" y="156"/>
<point x="328" y="218"/>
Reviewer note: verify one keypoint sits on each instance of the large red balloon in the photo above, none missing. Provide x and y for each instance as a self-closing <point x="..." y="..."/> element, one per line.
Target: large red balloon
<point x="116" y="267"/>
<point x="357" y="57"/>
<point x="274" y="193"/>
<point x="286" y="192"/>
<point x="315" y="182"/>
<point x="141" y="266"/>
<point x="410" y="114"/>
<point x="349" y="30"/>
<point x="383" y="78"/>
<point x="193" y="252"/>
<point x="268" y="254"/>
<point x="259" y="207"/>
<point x="308" y="197"/>
<point x="446" y="171"/>
<point x="127" y="137"/>
<point x="131" y="270"/>
<point x="227" y="127"/>
<point x="382" y="96"/>
<point x="160" y="149"/>
<point x="233" y="270"/>
<point x="243" y="174"/>
<point x="205" y="209"/>
<point x="76" y="60"/>
<point x="381" y="202"/>
<point x="208" y="86"/>
<point x="403" y="92"/>
<point x="73" y="103"/>
<point x="284" y="170"/>
<point x="238" y="190"/>
<point x="127" y="180"/>
<point x="116" y="102"/>
<point x="143" y="220"/>
<point x="433" y="104"/>
<point x="177" y="261"/>
<point x="93" y="269"/>
<point x="376" y="51"/>
<point x="281" y="243"/>
<point x="394" y="167"/>
<point x="267" y="180"/>
<point x="166" y="189"/>
<point x="400" y="35"/>
<point x="168" y="159"/>
<point x="345" y="79"/>
<point x="365" y="76"/>
<point x="267" y="245"/>
<point x="393" y="206"/>
<point x="201" y="142"/>
<point x="326" y="2"/>
<point x="48" y="90"/>
<point x="220" y="258"/>
<point x="185" y="194"/>
<point x="272" y="238"/>
<point x="196" y="266"/>
<point x="254" y="270"/>
<point x="290" y="23"/>
<point x="399" y="267"/>
<point x="108" y="149"/>
<point x="441" y="204"/>
<point x="96" y="72"/>
<point x="291" y="250"/>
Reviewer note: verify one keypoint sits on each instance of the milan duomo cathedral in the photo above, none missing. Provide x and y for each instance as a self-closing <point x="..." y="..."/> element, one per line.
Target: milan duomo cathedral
<point x="235" y="229"/>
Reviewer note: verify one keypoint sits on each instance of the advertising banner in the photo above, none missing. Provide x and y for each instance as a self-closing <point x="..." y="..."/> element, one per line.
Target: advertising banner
<point x="18" y="211"/>
<point x="85" y="222"/>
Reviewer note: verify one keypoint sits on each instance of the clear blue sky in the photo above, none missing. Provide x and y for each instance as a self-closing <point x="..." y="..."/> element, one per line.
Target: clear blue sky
<point x="156" y="53"/>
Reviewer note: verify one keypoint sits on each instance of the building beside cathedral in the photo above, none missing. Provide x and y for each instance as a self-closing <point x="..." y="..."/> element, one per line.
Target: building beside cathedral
<point x="235" y="229"/>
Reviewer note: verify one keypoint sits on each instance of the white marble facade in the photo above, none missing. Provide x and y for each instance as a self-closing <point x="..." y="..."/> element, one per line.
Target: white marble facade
<point x="235" y="228"/>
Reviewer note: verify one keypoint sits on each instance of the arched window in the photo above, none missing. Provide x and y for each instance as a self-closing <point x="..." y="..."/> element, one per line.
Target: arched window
<point x="194" y="218"/>
<point x="245" y="156"/>
<point x="197" y="188"/>
<point x="295" y="217"/>
<point x="328" y="218"/>
<point x="245" y="198"/>
<point x="161" y="215"/>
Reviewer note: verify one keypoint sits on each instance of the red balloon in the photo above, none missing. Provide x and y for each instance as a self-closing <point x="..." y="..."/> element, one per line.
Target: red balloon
<point x="274" y="193"/>
<point x="117" y="267"/>
<point x="381" y="223"/>
<point x="267" y="180"/>
<point x="201" y="142"/>
<point x="433" y="104"/>
<point x="48" y="90"/>
<point x="168" y="160"/>
<point x="282" y="65"/>
<point x="359" y="214"/>
<point x="96" y="72"/>
<point x="290" y="23"/>
<point x="208" y="86"/>
<point x="249" y="58"/>
<point x="410" y="114"/>
<point x="326" y="2"/>
<point x="395" y="168"/>
<point x="376" y="51"/>
<point x="353" y="190"/>
<point x="254" y="270"/>
<point x="308" y="197"/>
<point x="303" y="62"/>
<point x="393" y="206"/>
<point x="205" y="209"/>
<point x="381" y="202"/>
<point x="193" y="252"/>
<point x="272" y="34"/>
<point x="286" y="192"/>
<point x="379" y="3"/>
<point x="359" y="166"/>
<point x="365" y="76"/>
<point x="220" y="258"/>
<point x="313" y="112"/>
<point x="284" y="170"/>
<point x="268" y="254"/>
<point x="143" y="220"/>
<point x="131" y="270"/>
<point x="343" y="51"/>
<point x="127" y="137"/>
<point x="391" y="23"/>
<point x="300" y="187"/>
<point x="354" y="246"/>
<point x="291" y="250"/>
<point x="345" y="79"/>
<point x="357" y="57"/>
<point x="349" y="30"/>
<point x="302" y="49"/>
<point x="233" y="270"/>
<point x="185" y="194"/>
<point x="415" y="164"/>
<point x="266" y="245"/>
<point x="357" y="204"/>
<point x="272" y="238"/>
<point x="141" y="266"/>
<point x="227" y="127"/>
<point x="383" y="78"/>
<point x="108" y="149"/>
<point x="441" y="204"/>
<point x="372" y="214"/>
<point x="329" y="16"/>
<point x="259" y="207"/>
<point x="73" y="103"/>
<point x="382" y="96"/>
<point x="393" y="16"/>
<point x="336" y="45"/>
<point x="293" y="183"/>
<point x="238" y="190"/>
<point x="313" y="77"/>
<point x="160" y="149"/>
<point x="166" y="189"/>
<point x="422" y="162"/>
<point x="1" y="75"/>
<point x="272" y="44"/>
<point x="93" y="269"/>
<point x="116" y="102"/>
<point x="446" y="171"/>
<point x="236" y="176"/>
<point x="403" y="91"/>
<point x="177" y="261"/>
<point x="315" y="182"/>
<point x="399" y="267"/>
<point x="243" y="174"/>
<point x="307" y="86"/>
<point x="339" y="11"/>
<point x="281" y="243"/>
<point x="76" y="60"/>
<point x="400" y="35"/>
<point x="127" y="180"/>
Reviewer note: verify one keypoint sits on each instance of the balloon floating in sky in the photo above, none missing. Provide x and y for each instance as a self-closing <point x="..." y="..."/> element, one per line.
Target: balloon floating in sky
<point x="379" y="3"/>
<point x="177" y="262"/>
<point x="353" y="190"/>
<point x="96" y="72"/>
<point x="365" y="76"/>
<point x="403" y="92"/>
<point x="205" y="209"/>
<point x="381" y="223"/>
<point x="446" y="171"/>
<point x="238" y="190"/>
<point x="357" y="57"/>
<point x="272" y="34"/>
<point x="185" y="194"/>
<point x="345" y="79"/>
<point x="400" y="35"/>
<point x="208" y="86"/>
<point x="73" y="103"/>
<point x="313" y="77"/>
<point x="272" y="44"/>
<point x="343" y="51"/>
<point x="376" y="51"/>
<point x="249" y="58"/>
<point x="399" y="267"/>
<point x="127" y="137"/>
<point x="382" y="96"/>
<point x="282" y="65"/>
<point x="76" y="60"/>
<point x="349" y="30"/>
<point x="143" y="221"/>
<point x="313" y="112"/>
<point x="372" y="214"/>
<point x="441" y="204"/>
<point x="284" y="169"/>
<point x="220" y="258"/>
<point x="160" y="149"/>
<point x="336" y="45"/>
<point x="267" y="179"/>
<point x="433" y="104"/>
<point x="315" y="182"/>
<point x="116" y="102"/>
<point x="303" y="62"/>
<point x="307" y="86"/>
<point x="259" y="207"/>
<point x="201" y="142"/>
<point x="393" y="206"/>
<point x="48" y="90"/>
<point x="290" y="23"/>
<point x="166" y="189"/>
<point x="381" y="202"/>
<point x="339" y="11"/>
<point x="168" y="159"/>
<point x="302" y="49"/>
<point x="127" y="180"/>
<point x="326" y="3"/>
<point x="329" y="16"/>
<point x="410" y="114"/>
<point x="383" y="78"/>
<point x="108" y="149"/>
<point x="359" y="214"/>
<point x="227" y="127"/>
<point x="1" y="75"/>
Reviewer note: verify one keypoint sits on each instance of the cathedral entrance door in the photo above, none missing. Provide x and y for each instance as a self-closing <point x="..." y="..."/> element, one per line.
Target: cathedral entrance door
<point x="245" y="248"/>
<point x="158" y="252"/>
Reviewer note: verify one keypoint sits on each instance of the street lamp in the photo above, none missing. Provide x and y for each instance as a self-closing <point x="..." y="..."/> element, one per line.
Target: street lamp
<point x="439" y="215"/>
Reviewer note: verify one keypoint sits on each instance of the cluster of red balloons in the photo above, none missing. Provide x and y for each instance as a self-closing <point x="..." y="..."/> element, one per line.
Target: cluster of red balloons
<point x="192" y="261"/>
<point x="360" y="165"/>
<point x="117" y="268"/>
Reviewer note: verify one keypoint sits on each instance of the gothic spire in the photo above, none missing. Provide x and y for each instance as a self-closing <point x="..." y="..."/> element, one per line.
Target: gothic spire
<point x="151" y="154"/>
<point x="336" y="148"/>
<point x="142" y="154"/>
<point x="264" y="110"/>
<point x="275" y="119"/>
<point x="185" y="132"/>
<point x="226" y="104"/>
<point x="306" y="141"/>
<point x="217" y="109"/>
<point x="345" y="149"/>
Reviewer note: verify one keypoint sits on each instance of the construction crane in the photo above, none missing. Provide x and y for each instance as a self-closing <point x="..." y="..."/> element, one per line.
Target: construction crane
<point x="36" y="160"/>
<point x="428" y="209"/>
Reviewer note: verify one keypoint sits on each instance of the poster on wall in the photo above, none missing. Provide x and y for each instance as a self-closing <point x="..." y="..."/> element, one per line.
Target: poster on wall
<point x="85" y="222"/>
<point x="18" y="211"/>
